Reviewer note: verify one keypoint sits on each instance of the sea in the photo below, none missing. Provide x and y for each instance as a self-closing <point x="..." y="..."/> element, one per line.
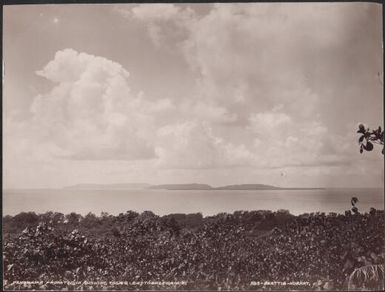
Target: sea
<point x="207" y="202"/>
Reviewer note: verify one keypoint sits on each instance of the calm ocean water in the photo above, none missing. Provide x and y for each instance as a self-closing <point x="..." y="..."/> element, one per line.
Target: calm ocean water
<point x="163" y="202"/>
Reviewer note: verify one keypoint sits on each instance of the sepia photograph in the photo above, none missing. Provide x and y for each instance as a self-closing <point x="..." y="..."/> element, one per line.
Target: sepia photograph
<point x="193" y="146"/>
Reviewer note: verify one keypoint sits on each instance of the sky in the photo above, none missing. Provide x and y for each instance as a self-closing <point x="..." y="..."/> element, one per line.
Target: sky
<point x="208" y="93"/>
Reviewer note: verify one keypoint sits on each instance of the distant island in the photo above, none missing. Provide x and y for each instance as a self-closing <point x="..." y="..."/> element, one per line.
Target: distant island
<point x="133" y="186"/>
<point x="248" y="187"/>
<point x="180" y="187"/>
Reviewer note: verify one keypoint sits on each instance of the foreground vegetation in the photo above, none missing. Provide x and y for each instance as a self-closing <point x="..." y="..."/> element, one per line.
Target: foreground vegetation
<point x="243" y="250"/>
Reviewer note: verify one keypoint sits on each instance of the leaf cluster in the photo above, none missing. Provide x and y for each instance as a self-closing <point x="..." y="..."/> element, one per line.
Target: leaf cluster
<point x="369" y="137"/>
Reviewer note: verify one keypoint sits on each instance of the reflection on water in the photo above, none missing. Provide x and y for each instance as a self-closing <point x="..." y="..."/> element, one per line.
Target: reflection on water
<point x="163" y="202"/>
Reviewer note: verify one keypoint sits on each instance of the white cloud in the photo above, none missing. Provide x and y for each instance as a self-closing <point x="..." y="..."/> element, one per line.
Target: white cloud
<point x="91" y="112"/>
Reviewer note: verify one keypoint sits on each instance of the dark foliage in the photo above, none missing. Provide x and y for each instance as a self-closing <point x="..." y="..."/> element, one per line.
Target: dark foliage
<point x="354" y="201"/>
<point x="226" y="251"/>
<point x="369" y="137"/>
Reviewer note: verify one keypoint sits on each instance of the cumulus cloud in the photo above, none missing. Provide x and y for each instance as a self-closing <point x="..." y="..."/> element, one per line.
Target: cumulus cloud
<point x="91" y="112"/>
